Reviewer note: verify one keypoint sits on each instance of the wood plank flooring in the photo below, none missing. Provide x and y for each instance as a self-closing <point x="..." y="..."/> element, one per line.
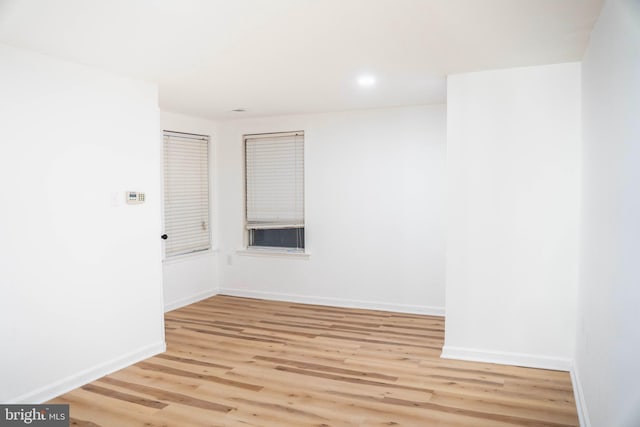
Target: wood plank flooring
<point x="245" y="362"/>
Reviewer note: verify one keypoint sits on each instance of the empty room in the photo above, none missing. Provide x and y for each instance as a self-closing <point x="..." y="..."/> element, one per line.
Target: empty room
<point x="277" y="213"/>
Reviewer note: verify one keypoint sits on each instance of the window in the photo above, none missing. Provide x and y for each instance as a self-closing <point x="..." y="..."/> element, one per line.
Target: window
<point x="274" y="168"/>
<point x="186" y="193"/>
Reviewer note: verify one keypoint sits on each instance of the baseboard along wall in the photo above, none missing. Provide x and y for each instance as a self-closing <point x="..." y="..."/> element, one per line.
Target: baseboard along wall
<point x="173" y="305"/>
<point x="581" y="404"/>
<point x="506" y="358"/>
<point x="81" y="378"/>
<point x="337" y="302"/>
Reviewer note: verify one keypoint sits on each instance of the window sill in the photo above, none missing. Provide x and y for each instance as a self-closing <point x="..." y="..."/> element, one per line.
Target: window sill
<point x="273" y="252"/>
<point x="190" y="256"/>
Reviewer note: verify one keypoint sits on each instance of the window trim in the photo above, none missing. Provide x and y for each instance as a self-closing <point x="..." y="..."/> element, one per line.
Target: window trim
<point x="270" y="252"/>
<point x="176" y="259"/>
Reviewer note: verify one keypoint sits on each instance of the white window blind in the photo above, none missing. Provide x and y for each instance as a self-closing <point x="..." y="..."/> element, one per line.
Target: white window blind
<point x="186" y="193"/>
<point x="275" y="180"/>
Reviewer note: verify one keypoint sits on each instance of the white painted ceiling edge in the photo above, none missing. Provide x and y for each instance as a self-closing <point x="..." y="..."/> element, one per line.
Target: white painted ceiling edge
<point x="276" y="57"/>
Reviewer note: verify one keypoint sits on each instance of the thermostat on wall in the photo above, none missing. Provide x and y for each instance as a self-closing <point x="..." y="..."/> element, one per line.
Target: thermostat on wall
<point x="134" y="197"/>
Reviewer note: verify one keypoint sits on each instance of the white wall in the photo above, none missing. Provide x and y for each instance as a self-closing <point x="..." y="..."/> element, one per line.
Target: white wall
<point x="80" y="271"/>
<point x="513" y="162"/>
<point x="193" y="277"/>
<point x="374" y="211"/>
<point x="608" y="330"/>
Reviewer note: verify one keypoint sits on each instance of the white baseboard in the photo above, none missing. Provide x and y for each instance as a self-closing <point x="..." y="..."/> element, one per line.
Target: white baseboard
<point x="506" y="358"/>
<point x="81" y="378"/>
<point x="581" y="404"/>
<point x="336" y="302"/>
<point x="189" y="300"/>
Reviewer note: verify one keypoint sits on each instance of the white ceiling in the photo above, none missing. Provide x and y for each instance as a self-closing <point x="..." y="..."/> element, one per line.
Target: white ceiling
<point x="293" y="56"/>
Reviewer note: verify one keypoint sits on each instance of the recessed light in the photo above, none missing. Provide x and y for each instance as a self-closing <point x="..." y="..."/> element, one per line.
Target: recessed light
<point x="239" y="110"/>
<point x="366" y="81"/>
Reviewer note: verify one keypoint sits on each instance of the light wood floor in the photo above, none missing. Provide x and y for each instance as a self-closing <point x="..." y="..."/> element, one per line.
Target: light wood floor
<point x="245" y="362"/>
